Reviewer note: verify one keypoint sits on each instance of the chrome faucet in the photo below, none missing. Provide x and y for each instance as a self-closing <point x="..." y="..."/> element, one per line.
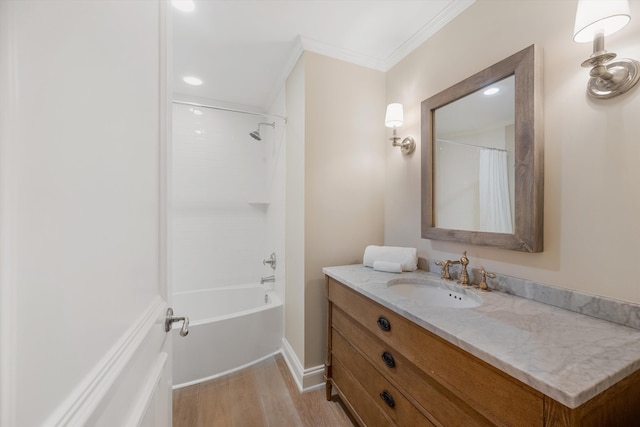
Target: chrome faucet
<point x="271" y="261"/>
<point x="264" y="280"/>
<point x="445" y="268"/>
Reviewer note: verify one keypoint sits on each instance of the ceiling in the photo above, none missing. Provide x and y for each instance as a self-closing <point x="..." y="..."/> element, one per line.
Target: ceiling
<point x="243" y="50"/>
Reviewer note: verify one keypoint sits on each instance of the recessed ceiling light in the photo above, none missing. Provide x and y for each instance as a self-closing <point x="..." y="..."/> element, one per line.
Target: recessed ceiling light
<point x="193" y="81"/>
<point x="195" y="111"/>
<point x="199" y="131"/>
<point x="184" y="5"/>
<point x="491" y="91"/>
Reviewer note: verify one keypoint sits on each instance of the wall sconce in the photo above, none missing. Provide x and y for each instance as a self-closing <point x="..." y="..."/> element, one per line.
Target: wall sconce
<point x="596" y="19"/>
<point x="394" y="119"/>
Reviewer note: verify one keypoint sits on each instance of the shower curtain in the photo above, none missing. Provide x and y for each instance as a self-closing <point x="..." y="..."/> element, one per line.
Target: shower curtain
<point x="495" y="206"/>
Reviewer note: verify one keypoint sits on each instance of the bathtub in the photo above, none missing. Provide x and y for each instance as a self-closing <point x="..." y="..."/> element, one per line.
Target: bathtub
<point x="230" y="328"/>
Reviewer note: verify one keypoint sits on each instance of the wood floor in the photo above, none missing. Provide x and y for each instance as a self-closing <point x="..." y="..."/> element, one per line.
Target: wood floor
<point x="261" y="395"/>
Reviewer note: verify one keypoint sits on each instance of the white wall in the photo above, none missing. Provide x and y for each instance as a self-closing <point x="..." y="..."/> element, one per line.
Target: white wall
<point x="222" y="182"/>
<point x="592" y="201"/>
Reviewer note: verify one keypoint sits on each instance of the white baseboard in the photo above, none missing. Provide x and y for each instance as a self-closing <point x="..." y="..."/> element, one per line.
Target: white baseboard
<point x="306" y="379"/>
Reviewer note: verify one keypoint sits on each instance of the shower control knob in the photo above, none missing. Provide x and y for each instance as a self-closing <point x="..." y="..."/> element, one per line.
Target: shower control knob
<point x="271" y="261"/>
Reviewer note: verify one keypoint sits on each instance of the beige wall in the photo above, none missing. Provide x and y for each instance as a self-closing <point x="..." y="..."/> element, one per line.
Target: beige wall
<point x="342" y="202"/>
<point x="592" y="149"/>
<point x="294" y="211"/>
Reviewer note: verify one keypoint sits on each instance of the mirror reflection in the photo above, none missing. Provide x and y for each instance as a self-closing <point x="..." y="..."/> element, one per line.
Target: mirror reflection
<point x="473" y="166"/>
<point x="483" y="157"/>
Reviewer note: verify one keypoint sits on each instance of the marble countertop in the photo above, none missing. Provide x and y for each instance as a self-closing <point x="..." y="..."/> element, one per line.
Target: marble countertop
<point x="565" y="355"/>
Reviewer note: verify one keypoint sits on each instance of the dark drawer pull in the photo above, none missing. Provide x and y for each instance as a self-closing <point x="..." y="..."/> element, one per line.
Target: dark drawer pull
<point x="388" y="399"/>
<point x="384" y="324"/>
<point x="387" y="358"/>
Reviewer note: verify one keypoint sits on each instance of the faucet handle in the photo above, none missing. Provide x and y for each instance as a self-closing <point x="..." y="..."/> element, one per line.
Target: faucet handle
<point x="444" y="274"/>
<point x="445" y="268"/>
<point x="464" y="260"/>
<point x="483" y="283"/>
<point x="271" y="261"/>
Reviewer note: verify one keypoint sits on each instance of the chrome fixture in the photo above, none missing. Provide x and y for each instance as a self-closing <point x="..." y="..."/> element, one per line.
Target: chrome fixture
<point x="464" y="275"/>
<point x="394" y="118"/>
<point x="596" y="19"/>
<point x="445" y="268"/>
<point x="271" y="261"/>
<point x="232" y="110"/>
<point x="264" y="280"/>
<point x="170" y="319"/>
<point x="483" y="283"/>
<point x="256" y="133"/>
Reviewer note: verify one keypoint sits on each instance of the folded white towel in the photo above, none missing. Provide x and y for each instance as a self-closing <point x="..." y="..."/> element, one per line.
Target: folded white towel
<point x="389" y="267"/>
<point x="406" y="257"/>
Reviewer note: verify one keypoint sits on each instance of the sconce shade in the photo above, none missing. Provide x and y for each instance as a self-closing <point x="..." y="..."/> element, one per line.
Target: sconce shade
<point x="599" y="16"/>
<point x="394" y="117"/>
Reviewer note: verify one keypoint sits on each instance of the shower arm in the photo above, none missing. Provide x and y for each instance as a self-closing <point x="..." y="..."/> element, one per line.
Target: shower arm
<point x="256" y="133"/>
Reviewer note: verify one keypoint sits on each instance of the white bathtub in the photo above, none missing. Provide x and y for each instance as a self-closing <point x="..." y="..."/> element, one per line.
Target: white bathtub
<point x="229" y="329"/>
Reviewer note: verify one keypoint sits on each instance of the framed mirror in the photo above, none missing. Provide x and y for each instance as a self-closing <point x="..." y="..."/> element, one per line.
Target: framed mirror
<point x="482" y="157"/>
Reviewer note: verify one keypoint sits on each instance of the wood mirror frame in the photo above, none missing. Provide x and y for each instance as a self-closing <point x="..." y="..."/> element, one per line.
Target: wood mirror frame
<point x="526" y="65"/>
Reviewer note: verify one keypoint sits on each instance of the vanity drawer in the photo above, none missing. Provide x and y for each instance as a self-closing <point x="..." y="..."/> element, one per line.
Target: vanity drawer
<point x="356" y="398"/>
<point x="434" y="398"/>
<point x="387" y="397"/>
<point x="500" y="399"/>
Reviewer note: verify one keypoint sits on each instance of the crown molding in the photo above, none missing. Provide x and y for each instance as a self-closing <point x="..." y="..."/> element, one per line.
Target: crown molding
<point x="342" y="54"/>
<point x="429" y="29"/>
<point x="303" y="43"/>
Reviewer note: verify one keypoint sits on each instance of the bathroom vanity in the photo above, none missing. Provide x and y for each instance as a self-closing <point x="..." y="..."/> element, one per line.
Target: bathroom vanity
<point x="395" y="358"/>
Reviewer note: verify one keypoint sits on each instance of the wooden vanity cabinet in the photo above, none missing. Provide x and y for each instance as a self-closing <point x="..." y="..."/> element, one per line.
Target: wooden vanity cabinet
<point x="391" y="372"/>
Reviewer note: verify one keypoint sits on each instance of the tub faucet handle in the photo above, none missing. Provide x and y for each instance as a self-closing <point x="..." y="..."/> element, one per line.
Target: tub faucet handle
<point x="271" y="261"/>
<point x="170" y="319"/>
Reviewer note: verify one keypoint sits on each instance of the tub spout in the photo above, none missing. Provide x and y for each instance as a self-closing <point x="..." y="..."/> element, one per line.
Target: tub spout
<point x="264" y="280"/>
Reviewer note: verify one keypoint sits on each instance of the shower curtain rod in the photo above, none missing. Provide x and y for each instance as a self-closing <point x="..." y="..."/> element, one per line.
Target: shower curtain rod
<point x="471" y="145"/>
<point x="195" y="104"/>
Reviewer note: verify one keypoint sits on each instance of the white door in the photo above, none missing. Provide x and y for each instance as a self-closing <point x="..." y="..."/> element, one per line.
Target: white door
<point x="83" y="240"/>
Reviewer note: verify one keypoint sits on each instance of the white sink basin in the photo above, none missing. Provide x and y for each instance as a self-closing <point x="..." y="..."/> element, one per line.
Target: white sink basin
<point x="430" y="294"/>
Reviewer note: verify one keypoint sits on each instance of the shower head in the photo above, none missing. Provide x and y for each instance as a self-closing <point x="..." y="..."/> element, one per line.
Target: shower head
<point x="256" y="133"/>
